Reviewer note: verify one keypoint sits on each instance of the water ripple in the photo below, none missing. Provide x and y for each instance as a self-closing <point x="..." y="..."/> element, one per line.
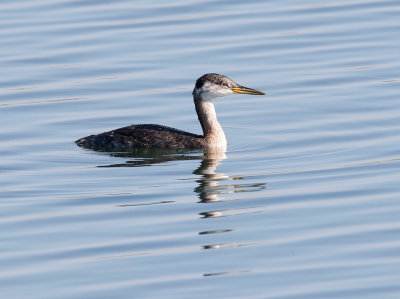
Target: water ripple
<point x="304" y="203"/>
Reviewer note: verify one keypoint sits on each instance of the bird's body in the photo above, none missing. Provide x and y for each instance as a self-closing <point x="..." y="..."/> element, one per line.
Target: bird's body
<point x="142" y="136"/>
<point x="208" y="87"/>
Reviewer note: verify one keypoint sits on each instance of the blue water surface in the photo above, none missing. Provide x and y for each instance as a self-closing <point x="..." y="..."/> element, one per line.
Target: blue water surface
<point x="304" y="204"/>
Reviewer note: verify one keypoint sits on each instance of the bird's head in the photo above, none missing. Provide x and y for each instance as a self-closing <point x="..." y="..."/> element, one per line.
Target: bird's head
<point x="212" y="86"/>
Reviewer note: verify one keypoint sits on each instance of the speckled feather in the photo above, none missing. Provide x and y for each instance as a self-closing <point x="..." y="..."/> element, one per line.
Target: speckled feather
<point x="142" y="136"/>
<point x="216" y="79"/>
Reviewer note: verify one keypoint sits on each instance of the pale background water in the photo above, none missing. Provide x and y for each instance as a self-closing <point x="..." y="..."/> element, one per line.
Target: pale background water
<point x="306" y="203"/>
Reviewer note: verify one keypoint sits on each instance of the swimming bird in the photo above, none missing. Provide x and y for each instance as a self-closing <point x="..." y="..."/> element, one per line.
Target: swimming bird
<point x="208" y="87"/>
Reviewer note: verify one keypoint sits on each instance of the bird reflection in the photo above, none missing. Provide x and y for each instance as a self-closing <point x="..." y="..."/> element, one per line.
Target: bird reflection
<point x="150" y="156"/>
<point x="212" y="185"/>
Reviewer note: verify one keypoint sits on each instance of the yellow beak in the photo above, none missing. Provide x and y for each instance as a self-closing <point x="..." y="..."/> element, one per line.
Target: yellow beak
<point x="245" y="90"/>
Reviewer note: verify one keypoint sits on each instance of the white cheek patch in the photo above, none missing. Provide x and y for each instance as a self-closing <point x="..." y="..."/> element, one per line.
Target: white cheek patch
<point x="211" y="91"/>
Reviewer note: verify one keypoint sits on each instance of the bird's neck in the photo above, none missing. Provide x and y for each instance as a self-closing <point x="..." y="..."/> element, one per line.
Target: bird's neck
<point x="212" y="131"/>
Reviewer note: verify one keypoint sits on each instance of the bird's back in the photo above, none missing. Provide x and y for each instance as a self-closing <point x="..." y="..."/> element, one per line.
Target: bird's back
<point x="143" y="136"/>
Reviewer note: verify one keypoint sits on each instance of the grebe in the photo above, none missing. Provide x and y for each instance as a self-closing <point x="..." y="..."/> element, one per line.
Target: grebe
<point x="208" y="87"/>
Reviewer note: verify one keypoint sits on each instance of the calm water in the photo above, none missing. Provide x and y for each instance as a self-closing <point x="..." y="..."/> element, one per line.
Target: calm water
<point x="304" y="205"/>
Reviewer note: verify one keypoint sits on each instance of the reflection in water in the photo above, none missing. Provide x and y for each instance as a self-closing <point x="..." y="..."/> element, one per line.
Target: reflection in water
<point x="211" y="184"/>
<point x="217" y="231"/>
<point x="225" y="273"/>
<point x="147" y="204"/>
<point x="149" y="156"/>
<point x="210" y="187"/>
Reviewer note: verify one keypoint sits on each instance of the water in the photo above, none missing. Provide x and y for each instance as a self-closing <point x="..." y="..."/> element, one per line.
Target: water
<point x="304" y="205"/>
